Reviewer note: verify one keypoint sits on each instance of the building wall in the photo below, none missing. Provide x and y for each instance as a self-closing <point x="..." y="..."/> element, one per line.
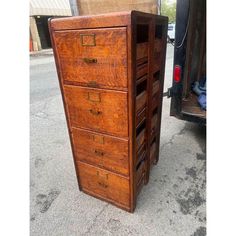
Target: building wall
<point x="34" y="34"/>
<point x="40" y="12"/>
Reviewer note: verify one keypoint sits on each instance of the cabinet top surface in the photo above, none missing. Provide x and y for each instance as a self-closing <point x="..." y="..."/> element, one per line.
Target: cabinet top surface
<point x="102" y="20"/>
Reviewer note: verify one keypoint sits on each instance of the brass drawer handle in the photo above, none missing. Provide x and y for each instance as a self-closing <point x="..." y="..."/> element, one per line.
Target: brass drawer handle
<point x="99" y="153"/>
<point x="103" y="184"/>
<point x="96" y="113"/>
<point x="90" y="60"/>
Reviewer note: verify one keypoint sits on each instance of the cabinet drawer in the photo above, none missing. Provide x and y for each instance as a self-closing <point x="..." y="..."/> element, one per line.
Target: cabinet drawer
<point x="104" y="184"/>
<point x="105" y="151"/>
<point x="94" y="57"/>
<point x="96" y="109"/>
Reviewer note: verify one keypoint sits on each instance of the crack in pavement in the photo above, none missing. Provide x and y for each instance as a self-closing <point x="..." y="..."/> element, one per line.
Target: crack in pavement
<point x="172" y="138"/>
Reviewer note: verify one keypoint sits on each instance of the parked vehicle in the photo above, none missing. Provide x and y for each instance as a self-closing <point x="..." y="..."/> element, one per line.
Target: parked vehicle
<point x="189" y="61"/>
<point x="171" y="32"/>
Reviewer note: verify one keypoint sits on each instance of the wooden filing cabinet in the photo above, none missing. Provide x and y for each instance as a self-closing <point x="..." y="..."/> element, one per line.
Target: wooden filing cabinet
<point x="111" y="70"/>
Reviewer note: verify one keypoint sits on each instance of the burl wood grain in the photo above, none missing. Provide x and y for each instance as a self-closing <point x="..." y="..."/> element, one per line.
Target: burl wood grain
<point x="107" y="47"/>
<point x="101" y="150"/>
<point x="98" y="110"/>
<point x="105" y="184"/>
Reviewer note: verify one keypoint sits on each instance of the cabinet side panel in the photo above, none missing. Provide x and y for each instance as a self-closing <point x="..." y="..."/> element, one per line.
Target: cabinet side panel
<point x="131" y="107"/>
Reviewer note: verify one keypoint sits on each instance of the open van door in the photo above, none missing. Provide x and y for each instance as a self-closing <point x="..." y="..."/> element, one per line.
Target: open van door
<point x="189" y="69"/>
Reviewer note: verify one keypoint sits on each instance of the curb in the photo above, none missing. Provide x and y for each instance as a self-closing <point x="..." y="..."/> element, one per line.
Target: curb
<point x="44" y="52"/>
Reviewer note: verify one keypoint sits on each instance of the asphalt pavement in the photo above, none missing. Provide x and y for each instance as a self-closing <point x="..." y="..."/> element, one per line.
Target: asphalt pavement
<point x="172" y="204"/>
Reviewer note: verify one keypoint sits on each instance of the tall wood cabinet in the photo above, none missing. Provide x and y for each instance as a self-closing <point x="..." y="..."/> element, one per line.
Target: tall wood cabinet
<point x="111" y="70"/>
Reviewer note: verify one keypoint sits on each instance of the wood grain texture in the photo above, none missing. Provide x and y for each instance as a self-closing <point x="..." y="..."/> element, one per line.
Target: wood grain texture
<point x="140" y="117"/>
<point x="105" y="151"/>
<point x="104" y="183"/>
<point x="140" y="139"/>
<point x="156" y="86"/>
<point x="107" y="80"/>
<point x="142" y="69"/>
<point x="141" y="101"/>
<point x="153" y="151"/>
<point x="142" y="50"/>
<point x="110" y="68"/>
<point x="109" y="115"/>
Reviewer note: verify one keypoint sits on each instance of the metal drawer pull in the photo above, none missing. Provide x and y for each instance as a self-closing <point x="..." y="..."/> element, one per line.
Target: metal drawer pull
<point x="90" y="60"/>
<point x="96" y="113"/>
<point x="99" y="153"/>
<point x="103" y="185"/>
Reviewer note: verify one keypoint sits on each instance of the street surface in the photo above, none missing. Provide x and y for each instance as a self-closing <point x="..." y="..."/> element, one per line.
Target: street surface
<point x="172" y="204"/>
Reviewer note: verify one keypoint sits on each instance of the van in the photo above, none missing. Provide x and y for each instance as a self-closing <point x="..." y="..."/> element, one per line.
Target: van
<point x="171" y="32"/>
<point x="189" y="69"/>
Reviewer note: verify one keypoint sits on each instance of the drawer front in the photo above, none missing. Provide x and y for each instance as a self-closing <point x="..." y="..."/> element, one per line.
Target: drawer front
<point x="99" y="110"/>
<point x="101" y="150"/>
<point x="96" y="57"/>
<point x="105" y="184"/>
